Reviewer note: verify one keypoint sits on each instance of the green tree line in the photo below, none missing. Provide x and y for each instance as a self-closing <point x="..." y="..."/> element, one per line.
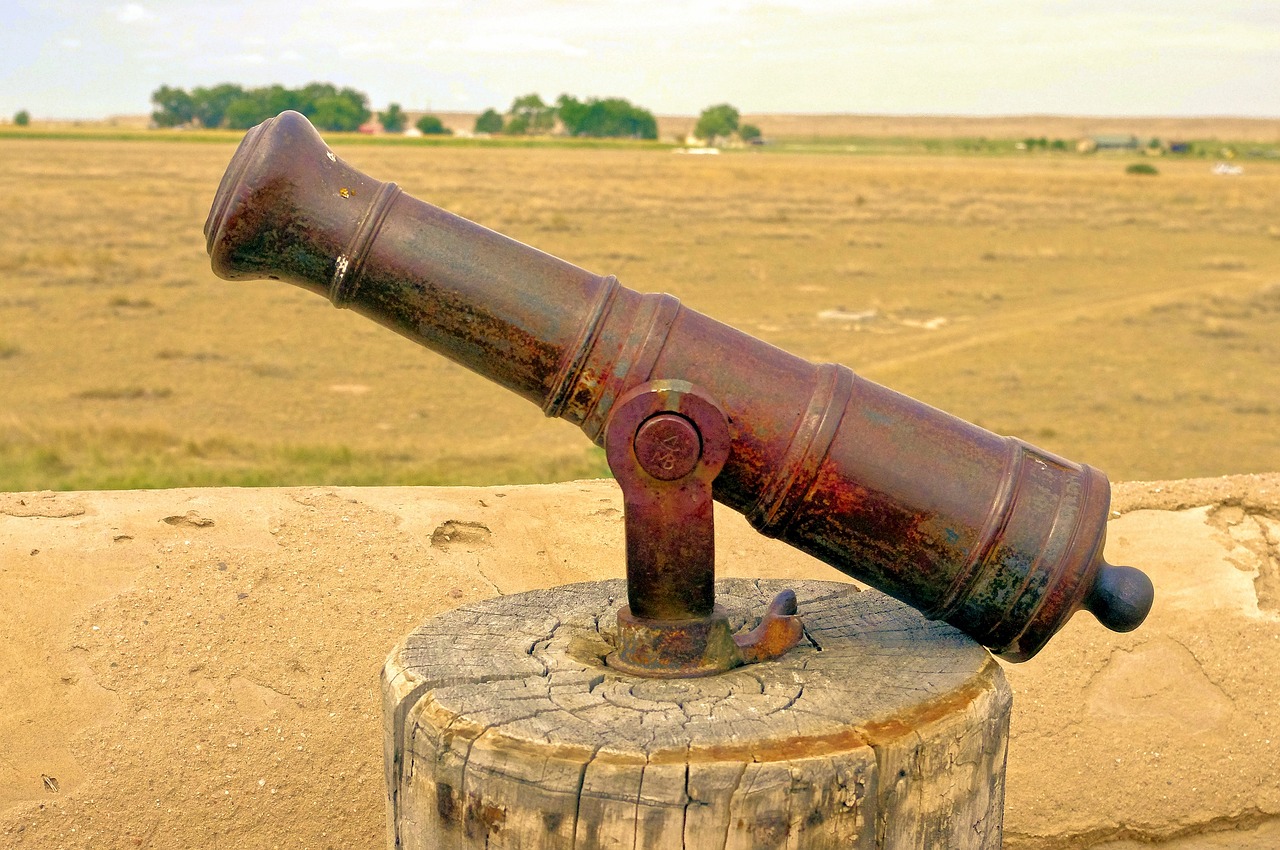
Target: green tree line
<point x="331" y="108"/>
<point x="237" y="108"/>
<point x="612" y="117"/>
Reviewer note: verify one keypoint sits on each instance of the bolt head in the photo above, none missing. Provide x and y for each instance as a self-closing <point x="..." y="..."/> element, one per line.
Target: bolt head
<point x="668" y="446"/>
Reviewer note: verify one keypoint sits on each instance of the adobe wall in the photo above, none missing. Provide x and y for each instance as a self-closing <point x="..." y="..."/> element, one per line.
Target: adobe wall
<point x="199" y="667"/>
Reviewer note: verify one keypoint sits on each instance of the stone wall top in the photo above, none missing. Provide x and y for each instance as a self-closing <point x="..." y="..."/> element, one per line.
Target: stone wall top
<point x="199" y="667"/>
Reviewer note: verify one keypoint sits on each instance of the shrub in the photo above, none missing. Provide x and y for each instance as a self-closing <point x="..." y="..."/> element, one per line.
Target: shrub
<point x="393" y="120"/>
<point x="1141" y="168"/>
<point x="530" y="116"/>
<point x="22" y="118"/>
<point x="232" y="106"/>
<point x="613" y="117"/>
<point x="718" y="120"/>
<point x="430" y="125"/>
<point x="489" y="122"/>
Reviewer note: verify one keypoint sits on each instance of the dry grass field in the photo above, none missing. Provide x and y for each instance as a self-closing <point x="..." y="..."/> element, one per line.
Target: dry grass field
<point x="1126" y="321"/>
<point x="797" y="127"/>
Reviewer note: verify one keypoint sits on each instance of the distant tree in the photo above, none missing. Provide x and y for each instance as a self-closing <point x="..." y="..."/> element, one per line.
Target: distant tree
<point x="749" y="132"/>
<point x="174" y="107"/>
<point x="430" y="125"/>
<point x="612" y="117"/>
<point x="276" y="99"/>
<point x="530" y="116"/>
<point x="241" y="109"/>
<point x="229" y="105"/>
<point x="343" y="112"/>
<point x="309" y="94"/>
<point x="249" y="109"/>
<point x="210" y="104"/>
<point x="489" y="122"/>
<point x="572" y="113"/>
<point x="393" y="120"/>
<point x="720" y="120"/>
<point x="22" y="118"/>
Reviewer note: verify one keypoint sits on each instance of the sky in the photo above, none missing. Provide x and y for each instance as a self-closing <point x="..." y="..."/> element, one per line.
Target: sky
<point x="89" y="59"/>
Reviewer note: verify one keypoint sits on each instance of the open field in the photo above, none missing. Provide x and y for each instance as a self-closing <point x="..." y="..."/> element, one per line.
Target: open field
<point x="996" y="127"/>
<point x="785" y="130"/>
<point x="810" y="126"/>
<point x="1071" y="127"/>
<point x="1129" y="322"/>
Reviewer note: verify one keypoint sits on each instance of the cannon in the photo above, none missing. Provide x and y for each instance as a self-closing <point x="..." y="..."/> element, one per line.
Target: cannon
<point x="993" y="535"/>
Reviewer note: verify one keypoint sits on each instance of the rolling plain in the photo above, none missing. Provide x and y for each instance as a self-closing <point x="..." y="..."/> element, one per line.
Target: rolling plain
<point x="1131" y="322"/>
<point x="161" y="692"/>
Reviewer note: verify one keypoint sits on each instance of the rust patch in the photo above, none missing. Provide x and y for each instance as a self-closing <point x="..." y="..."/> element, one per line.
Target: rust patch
<point x="481" y="818"/>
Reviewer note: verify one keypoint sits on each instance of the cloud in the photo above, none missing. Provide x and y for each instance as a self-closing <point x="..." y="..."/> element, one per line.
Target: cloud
<point x="507" y="44"/>
<point x="69" y="43"/>
<point x="243" y="59"/>
<point x="132" y="13"/>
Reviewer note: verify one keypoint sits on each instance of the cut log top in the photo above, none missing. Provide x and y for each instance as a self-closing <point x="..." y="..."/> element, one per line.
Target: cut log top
<point x="517" y="670"/>
<point x="506" y="728"/>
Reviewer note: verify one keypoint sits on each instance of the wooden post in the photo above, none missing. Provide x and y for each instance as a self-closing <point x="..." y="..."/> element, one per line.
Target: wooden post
<point x="505" y="729"/>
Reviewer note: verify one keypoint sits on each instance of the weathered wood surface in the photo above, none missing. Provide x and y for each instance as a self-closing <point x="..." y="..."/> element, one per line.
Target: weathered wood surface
<point x="505" y="729"/>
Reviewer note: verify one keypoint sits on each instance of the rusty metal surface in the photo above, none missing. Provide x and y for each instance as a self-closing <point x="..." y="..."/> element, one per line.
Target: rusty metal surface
<point x="703" y="646"/>
<point x="666" y="442"/>
<point x="996" y="536"/>
<point x="670" y="530"/>
<point x="779" y="630"/>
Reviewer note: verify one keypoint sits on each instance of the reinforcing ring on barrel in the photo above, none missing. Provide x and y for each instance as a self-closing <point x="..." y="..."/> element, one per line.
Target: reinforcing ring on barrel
<point x="666" y="441"/>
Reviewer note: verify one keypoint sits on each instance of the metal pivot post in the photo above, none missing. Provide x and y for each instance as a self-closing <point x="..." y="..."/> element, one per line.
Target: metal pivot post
<point x="666" y="441"/>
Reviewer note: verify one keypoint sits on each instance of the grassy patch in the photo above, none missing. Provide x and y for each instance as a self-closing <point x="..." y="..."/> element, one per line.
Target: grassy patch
<point x="123" y="393"/>
<point x="131" y="303"/>
<point x="117" y="458"/>
<point x="8" y="132"/>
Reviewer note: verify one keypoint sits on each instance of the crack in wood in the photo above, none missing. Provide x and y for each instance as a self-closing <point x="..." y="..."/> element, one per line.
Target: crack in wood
<point x="758" y="735"/>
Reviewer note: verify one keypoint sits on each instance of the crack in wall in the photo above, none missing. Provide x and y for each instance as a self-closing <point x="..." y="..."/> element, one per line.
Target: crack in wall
<point x="1253" y="533"/>
<point x="1249" y="819"/>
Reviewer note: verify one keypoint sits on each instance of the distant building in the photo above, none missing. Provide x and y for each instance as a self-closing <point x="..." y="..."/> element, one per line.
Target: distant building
<point x="1108" y="143"/>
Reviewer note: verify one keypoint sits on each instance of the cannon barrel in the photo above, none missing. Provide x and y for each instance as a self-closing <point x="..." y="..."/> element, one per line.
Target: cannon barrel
<point x="997" y="537"/>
